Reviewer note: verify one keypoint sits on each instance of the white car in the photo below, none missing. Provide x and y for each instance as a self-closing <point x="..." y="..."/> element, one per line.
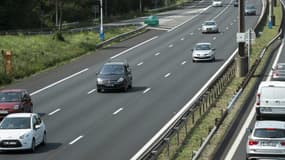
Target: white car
<point x="266" y="140"/>
<point x="203" y="52"/>
<point x="22" y="131"/>
<point x="217" y="3"/>
<point x="210" y="27"/>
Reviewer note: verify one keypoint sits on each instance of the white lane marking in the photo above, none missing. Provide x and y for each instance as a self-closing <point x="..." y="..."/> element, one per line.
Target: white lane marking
<point x="117" y="111"/>
<point x="170" y="46"/>
<point x="53" y="112"/>
<point x="227" y="28"/>
<point x="146" y="90"/>
<point x="156" y="54"/>
<point x="139" y="64"/>
<point x="136" y="46"/>
<point x="182" y="39"/>
<point x="220" y="13"/>
<point x="200" y="12"/>
<point x="167" y="75"/>
<point x="191" y="34"/>
<point x="184" y="62"/>
<point x="232" y="24"/>
<point x="60" y="81"/>
<point x="241" y="134"/>
<point x="214" y="38"/>
<point x="235" y="20"/>
<point x="76" y="139"/>
<point x="275" y="61"/>
<point x="93" y="90"/>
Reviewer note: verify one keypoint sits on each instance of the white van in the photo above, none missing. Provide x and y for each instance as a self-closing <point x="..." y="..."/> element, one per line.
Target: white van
<point x="270" y="99"/>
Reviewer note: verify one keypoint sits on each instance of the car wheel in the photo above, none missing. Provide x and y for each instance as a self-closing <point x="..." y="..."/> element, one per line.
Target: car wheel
<point x="193" y="61"/>
<point x="99" y="90"/>
<point x="130" y="85"/>
<point x="214" y="59"/>
<point x="44" y="139"/>
<point x="33" y="146"/>
<point x="31" y="109"/>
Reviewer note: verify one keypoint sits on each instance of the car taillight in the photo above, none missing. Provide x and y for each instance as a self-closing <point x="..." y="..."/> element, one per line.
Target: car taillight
<point x="252" y="142"/>
<point x="282" y="143"/>
<point x="258" y="99"/>
<point x="275" y="74"/>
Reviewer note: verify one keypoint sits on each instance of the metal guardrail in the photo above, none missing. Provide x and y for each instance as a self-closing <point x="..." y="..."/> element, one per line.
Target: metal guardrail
<point x="151" y="148"/>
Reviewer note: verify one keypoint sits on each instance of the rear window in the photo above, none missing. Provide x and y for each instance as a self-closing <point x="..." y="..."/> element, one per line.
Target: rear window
<point x="272" y="93"/>
<point x="269" y="133"/>
<point x="10" y="96"/>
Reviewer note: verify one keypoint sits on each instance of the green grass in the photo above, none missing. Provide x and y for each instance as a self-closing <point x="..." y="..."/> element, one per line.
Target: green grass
<point x="193" y="141"/>
<point x="35" y="53"/>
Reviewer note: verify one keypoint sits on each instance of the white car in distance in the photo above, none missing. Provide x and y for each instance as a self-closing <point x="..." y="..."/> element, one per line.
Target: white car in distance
<point x="22" y="131"/>
<point x="203" y="52"/>
<point x="217" y="3"/>
<point x="210" y="27"/>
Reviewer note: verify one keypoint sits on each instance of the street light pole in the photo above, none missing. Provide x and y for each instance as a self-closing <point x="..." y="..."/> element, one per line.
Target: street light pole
<point x="102" y="36"/>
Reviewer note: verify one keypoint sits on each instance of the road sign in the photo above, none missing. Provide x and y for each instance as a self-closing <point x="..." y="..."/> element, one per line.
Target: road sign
<point x="250" y="36"/>
<point x="241" y="37"/>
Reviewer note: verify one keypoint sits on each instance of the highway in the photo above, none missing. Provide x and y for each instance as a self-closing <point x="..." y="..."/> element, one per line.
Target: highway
<point x="84" y="124"/>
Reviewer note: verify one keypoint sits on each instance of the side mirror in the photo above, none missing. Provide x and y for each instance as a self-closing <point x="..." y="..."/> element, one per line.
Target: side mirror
<point x="248" y="130"/>
<point x="36" y="126"/>
<point x="97" y="73"/>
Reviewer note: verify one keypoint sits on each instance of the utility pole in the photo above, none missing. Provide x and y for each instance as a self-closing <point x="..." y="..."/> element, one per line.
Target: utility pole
<point x="56" y="12"/>
<point x="271" y="18"/>
<point x="101" y="34"/>
<point x="241" y="58"/>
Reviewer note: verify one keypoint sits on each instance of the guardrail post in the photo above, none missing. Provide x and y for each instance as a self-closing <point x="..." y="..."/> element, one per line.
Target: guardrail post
<point x="168" y="146"/>
<point x="185" y="124"/>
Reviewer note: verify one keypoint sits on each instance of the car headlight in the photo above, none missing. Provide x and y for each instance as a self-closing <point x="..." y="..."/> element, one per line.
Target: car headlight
<point x="16" y="107"/>
<point x="24" y="136"/>
<point x="120" y="79"/>
<point x="99" y="81"/>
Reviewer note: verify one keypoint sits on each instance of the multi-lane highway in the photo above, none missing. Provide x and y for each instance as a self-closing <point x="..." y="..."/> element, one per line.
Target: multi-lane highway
<point x="84" y="124"/>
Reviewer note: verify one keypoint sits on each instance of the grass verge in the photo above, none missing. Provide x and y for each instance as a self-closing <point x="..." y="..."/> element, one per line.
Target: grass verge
<point x="35" y="53"/>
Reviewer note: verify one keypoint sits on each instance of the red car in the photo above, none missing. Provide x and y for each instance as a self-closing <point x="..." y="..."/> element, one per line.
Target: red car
<point x="13" y="101"/>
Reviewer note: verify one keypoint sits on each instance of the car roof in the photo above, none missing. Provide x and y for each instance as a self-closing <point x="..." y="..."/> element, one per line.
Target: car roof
<point x="20" y="114"/>
<point x="270" y="124"/>
<point x="203" y="43"/>
<point x="210" y="21"/>
<point x="272" y="83"/>
<point x="12" y="90"/>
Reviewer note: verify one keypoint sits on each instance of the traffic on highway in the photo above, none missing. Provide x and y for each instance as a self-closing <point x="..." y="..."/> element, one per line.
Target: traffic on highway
<point x="109" y="105"/>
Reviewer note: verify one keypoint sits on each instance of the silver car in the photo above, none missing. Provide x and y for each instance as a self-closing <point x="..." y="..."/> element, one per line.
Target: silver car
<point x="210" y="27"/>
<point x="278" y="72"/>
<point x="217" y="3"/>
<point x="266" y="140"/>
<point x="250" y="9"/>
<point x="203" y="52"/>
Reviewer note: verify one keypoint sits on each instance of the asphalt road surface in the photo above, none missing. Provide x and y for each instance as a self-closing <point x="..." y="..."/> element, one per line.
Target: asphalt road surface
<point x="84" y="124"/>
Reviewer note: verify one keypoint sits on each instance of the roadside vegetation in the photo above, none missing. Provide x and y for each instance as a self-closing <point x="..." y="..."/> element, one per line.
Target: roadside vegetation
<point x="200" y="132"/>
<point x="35" y="53"/>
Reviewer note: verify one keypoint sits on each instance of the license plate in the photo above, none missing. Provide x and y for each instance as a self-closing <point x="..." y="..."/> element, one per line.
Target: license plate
<point x="271" y="144"/>
<point x="10" y="143"/>
<point x="3" y="112"/>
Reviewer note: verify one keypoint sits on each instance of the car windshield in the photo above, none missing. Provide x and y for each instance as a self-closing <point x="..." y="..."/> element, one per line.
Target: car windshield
<point x="269" y="133"/>
<point x="112" y="69"/>
<point x="210" y="23"/>
<point x="10" y="96"/>
<point x="203" y="47"/>
<point x="16" y="123"/>
<point x="250" y="7"/>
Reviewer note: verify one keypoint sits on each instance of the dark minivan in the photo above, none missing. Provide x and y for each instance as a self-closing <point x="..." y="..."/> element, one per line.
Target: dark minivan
<point x="114" y="75"/>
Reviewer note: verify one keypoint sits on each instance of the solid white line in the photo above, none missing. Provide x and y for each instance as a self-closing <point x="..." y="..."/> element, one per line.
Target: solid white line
<point x="117" y="111"/>
<point x="184" y="62"/>
<point x="220" y="13"/>
<point x="241" y="134"/>
<point x="139" y="64"/>
<point x="138" y="45"/>
<point x="275" y="61"/>
<point x="158" y="53"/>
<point x="145" y="91"/>
<point x="167" y="75"/>
<point x="93" y="90"/>
<point x="60" y="81"/>
<point x="53" y="112"/>
<point x="75" y="140"/>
